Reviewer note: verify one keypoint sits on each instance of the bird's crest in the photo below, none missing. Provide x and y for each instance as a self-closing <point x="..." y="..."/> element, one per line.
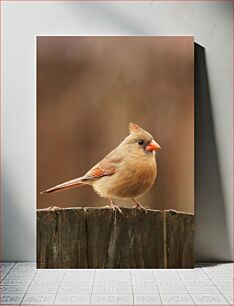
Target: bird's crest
<point x="133" y="127"/>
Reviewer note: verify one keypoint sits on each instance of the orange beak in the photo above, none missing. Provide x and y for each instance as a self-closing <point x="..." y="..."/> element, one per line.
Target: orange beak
<point x="153" y="146"/>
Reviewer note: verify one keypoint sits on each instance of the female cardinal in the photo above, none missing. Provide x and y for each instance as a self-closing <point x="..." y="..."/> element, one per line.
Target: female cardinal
<point x="126" y="172"/>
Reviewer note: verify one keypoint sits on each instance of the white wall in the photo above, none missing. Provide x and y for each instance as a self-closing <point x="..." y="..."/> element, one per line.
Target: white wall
<point x="211" y="24"/>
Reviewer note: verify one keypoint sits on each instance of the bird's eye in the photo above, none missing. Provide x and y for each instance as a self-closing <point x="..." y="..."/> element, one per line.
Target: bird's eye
<point x="141" y="143"/>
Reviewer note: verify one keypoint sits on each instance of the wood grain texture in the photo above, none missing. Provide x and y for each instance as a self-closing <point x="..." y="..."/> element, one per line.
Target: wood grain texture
<point x="103" y="238"/>
<point x="179" y="231"/>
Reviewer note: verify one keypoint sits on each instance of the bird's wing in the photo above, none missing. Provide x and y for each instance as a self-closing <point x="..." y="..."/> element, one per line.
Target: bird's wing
<point x="97" y="171"/>
<point x="107" y="166"/>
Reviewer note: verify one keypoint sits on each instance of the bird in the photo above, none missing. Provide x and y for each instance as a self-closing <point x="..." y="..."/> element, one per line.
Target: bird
<point x="127" y="172"/>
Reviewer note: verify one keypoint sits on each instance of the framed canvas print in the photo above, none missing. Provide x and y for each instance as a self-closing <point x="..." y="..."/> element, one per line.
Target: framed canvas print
<point x="115" y="152"/>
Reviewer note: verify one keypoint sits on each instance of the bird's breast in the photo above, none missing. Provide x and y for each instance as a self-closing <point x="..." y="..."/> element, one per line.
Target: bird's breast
<point x="133" y="177"/>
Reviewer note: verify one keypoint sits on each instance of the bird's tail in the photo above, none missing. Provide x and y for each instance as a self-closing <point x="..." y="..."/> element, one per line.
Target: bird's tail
<point x="67" y="185"/>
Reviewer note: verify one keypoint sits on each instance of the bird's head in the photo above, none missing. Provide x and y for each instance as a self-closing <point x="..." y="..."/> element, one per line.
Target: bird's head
<point x="140" y="141"/>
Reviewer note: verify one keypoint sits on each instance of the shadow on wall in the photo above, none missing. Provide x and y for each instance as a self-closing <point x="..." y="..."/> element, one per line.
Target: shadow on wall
<point x="209" y="198"/>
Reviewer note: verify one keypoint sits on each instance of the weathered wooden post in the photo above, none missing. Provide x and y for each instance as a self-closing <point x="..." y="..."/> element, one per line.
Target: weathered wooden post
<point x="103" y="238"/>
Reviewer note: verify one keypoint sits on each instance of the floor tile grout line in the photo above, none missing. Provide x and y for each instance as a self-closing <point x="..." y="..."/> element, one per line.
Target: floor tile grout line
<point x="183" y="283"/>
<point x="215" y="286"/>
<point x="91" y="295"/>
<point x="14" y="263"/>
<point x="186" y="287"/>
<point x="59" y="287"/>
<point x="157" y="288"/>
<point x="28" y="287"/>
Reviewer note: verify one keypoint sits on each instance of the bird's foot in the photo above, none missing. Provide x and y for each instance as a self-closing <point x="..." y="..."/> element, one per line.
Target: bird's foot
<point x="53" y="208"/>
<point x="116" y="207"/>
<point x="139" y="206"/>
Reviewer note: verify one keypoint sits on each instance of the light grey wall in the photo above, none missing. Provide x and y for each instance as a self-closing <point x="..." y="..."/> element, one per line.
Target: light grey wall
<point x="211" y="24"/>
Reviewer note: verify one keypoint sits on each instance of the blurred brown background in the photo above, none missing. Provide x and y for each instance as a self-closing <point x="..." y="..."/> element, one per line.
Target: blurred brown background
<point x="90" y="88"/>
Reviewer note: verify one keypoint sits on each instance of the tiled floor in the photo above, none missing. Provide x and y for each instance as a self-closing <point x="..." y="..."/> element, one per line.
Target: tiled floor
<point x="207" y="284"/>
